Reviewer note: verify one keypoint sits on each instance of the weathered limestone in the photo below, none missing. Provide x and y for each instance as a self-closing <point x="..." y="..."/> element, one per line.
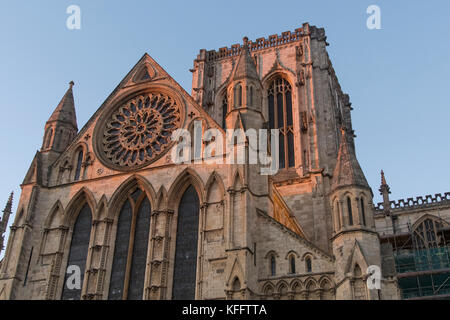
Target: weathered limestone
<point x="260" y="237"/>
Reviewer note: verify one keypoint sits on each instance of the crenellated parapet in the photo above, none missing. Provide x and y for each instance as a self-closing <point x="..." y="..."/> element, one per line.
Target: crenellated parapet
<point x="271" y="41"/>
<point x="427" y="201"/>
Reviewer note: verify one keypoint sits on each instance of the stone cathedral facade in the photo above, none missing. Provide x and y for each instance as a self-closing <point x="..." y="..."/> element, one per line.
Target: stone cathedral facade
<point x="108" y="203"/>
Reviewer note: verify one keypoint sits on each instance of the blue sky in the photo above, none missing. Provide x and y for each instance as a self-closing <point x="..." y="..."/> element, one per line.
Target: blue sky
<point x="397" y="77"/>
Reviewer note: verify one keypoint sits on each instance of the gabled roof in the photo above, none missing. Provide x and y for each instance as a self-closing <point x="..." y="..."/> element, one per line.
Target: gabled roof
<point x="65" y="111"/>
<point x="145" y="70"/>
<point x="347" y="172"/>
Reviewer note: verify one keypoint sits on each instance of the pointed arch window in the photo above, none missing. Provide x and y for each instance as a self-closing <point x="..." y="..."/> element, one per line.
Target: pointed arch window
<point x="224" y="110"/>
<point x="79" y="247"/>
<point x="337" y="215"/>
<point x="359" y="287"/>
<point x="130" y="250"/>
<point x="48" y="138"/>
<point x="292" y="264"/>
<point x="79" y="165"/>
<point x="184" y="277"/>
<point x="308" y="264"/>
<point x="238" y="96"/>
<point x="250" y="96"/>
<point x="273" y="266"/>
<point x="426" y="234"/>
<point x="363" y="211"/>
<point x="280" y="117"/>
<point x="236" y="288"/>
<point x="349" y="210"/>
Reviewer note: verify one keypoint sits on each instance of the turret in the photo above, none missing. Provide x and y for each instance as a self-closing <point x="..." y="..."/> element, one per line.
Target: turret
<point x="61" y="128"/>
<point x="244" y="93"/>
<point x="390" y="218"/>
<point x="355" y="242"/>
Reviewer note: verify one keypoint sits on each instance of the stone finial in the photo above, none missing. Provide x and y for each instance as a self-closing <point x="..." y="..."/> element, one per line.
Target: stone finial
<point x="4" y="221"/>
<point x="383" y="179"/>
<point x="8" y="206"/>
<point x="71" y="84"/>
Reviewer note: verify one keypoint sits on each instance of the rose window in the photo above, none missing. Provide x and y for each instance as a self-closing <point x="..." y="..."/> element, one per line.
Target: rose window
<point x="139" y="131"/>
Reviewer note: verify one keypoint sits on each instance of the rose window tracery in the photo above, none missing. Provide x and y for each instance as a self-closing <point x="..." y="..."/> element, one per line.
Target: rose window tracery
<point x="139" y="131"/>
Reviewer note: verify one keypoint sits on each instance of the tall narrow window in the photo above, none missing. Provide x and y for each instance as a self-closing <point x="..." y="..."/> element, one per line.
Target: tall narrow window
<point x="349" y="210"/>
<point x="79" y="247"/>
<point x="48" y="138"/>
<point x="363" y="211"/>
<point x="224" y="110"/>
<point x="337" y="215"/>
<point x="292" y="264"/>
<point x="184" y="277"/>
<point x="280" y="117"/>
<point x="78" y="168"/>
<point x="308" y="264"/>
<point x="130" y="252"/>
<point x="273" y="266"/>
<point x="237" y="96"/>
<point x="250" y="96"/>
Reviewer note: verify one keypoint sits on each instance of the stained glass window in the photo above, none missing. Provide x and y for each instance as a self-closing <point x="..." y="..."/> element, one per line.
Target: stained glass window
<point x="280" y="117"/>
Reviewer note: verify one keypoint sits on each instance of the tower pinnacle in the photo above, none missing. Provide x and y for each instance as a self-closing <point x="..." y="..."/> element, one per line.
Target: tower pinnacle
<point x="61" y="127"/>
<point x="385" y="191"/>
<point x="4" y="220"/>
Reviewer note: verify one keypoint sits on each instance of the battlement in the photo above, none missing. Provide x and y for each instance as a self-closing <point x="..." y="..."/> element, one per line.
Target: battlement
<point x="415" y="203"/>
<point x="263" y="43"/>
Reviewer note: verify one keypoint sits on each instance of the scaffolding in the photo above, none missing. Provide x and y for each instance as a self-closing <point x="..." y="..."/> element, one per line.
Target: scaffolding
<point x="422" y="260"/>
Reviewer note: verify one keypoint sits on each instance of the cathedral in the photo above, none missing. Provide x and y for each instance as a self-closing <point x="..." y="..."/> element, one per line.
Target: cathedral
<point x="105" y="212"/>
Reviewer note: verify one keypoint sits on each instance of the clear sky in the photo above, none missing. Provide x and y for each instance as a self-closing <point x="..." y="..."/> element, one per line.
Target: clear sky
<point x="397" y="77"/>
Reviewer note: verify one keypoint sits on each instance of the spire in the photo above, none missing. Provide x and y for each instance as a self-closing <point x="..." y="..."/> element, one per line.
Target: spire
<point x="245" y="67"/>
<point x="61" y="127"/>
<point x="347" y="172"/>
<point x="65" y="111"/>
<point x="385" y="190"/>
<point x="383" y="179"/>
<point x="4" y="221"/>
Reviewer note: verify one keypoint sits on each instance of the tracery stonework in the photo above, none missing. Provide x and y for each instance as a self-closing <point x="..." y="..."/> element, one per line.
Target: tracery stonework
<point x="208" y="230"/>
<point x="139" y="131"/>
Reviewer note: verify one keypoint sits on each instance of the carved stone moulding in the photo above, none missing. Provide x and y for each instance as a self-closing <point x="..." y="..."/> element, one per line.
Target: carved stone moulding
<point x="137" y="131"/>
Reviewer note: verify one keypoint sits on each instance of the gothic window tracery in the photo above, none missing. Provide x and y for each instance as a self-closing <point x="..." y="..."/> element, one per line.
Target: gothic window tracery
<point x="139" y="131"/>
<point x="184" y="278"/>
<point x="426" y="234"/>
<point x="281" y="117"/>
<point x="130" y="250"/>
<point x="79" y="247"/>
